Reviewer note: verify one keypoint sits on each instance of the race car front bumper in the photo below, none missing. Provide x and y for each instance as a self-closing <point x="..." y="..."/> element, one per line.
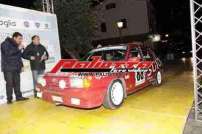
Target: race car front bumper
<point x="81" y="98"/>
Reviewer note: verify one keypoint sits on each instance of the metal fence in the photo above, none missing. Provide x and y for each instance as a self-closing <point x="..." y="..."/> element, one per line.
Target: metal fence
<point x="196" y="26"/>
<point x="47" y="6"/>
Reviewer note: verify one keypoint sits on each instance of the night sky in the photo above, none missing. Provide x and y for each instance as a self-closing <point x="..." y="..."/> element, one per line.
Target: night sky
<point x="20" y="3"/>
<point x="172" y="14"/>
<point x="173" y="17"/>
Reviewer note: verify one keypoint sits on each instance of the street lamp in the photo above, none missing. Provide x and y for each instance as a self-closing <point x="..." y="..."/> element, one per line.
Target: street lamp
<point x="120" y="27"/>
<point x="167" y="35"/>
<point x="120" y="24"/>
<point x="155" y="37"/>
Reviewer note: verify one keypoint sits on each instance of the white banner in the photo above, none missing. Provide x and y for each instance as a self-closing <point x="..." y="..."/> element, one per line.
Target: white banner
<point x="29" y="23"/>
<point x="23" y="24"/>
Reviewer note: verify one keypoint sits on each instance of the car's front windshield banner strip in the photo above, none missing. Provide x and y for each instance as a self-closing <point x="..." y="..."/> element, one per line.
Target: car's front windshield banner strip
<point x="84" y="70"/>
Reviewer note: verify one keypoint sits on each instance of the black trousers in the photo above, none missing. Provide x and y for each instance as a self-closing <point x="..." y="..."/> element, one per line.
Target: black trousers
<point x="12" y="83"/>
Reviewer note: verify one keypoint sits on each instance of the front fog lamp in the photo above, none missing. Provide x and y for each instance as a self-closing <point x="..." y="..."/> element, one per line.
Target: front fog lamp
<point x="62" y="84"/>
<point x="41" y="81"/>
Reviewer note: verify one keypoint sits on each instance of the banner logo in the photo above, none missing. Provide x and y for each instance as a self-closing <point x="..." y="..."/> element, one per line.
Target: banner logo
<point x="7" y="23"/>
<point x="26" y="24"/>
<point x="23" y="24"/>
<point x="37" y="25"/>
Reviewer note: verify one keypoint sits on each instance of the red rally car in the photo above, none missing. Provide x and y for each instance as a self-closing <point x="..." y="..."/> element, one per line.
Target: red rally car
<point x="105" y="76"/>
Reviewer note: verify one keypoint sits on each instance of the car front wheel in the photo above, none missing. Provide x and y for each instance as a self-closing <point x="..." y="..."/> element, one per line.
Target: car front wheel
<point x="115" y="95"/>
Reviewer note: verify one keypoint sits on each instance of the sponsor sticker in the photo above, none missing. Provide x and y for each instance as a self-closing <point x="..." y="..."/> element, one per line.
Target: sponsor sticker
<point x="139" y="78"/>
<point x="23" y="24"/>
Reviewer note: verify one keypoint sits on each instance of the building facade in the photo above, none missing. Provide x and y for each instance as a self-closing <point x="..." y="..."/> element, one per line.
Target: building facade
<point x="136" y="15"/>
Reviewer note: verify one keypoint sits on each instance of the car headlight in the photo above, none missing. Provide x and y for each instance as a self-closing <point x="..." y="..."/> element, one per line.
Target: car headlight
<point x="76" y="82"/>
<point x="41" y="81"/>
<point x="62" y="84"/>
<point x="80" y="83"/>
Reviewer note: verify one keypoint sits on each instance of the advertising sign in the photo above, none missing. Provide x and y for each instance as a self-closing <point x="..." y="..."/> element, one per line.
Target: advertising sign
<point x="29" y="23"/>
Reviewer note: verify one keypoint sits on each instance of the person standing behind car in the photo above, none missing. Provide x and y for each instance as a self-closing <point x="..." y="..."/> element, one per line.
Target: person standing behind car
<point x="11" y="65"/>
<point x="37" y="55"/>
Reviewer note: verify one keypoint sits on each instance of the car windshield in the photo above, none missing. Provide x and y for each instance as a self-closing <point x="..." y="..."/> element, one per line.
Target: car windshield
<point x="107" y="54"/>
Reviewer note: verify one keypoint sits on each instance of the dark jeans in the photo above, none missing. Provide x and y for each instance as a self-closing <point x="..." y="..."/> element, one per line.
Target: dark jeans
<point x="35" y="75"/>
<point x="12" y="82"/>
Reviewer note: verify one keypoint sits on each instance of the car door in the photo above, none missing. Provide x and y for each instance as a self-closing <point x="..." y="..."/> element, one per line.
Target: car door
<point x="137" y="77"/>
<point x="150" y="63"/>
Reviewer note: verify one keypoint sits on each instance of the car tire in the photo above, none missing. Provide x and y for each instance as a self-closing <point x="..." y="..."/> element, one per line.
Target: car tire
<point x="115" y="95"/>
<point x="158" y="79"/>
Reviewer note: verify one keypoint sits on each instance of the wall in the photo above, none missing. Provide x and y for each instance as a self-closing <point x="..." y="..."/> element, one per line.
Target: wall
<point x="135" y="11"/>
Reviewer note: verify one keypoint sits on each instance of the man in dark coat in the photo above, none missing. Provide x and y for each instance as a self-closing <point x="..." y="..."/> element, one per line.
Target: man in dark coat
<point x="37" y="55"/>
<point x="11" y="65"/>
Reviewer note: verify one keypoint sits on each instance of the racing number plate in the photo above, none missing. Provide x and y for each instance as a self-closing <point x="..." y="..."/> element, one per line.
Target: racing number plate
<point x="57" y="98"/>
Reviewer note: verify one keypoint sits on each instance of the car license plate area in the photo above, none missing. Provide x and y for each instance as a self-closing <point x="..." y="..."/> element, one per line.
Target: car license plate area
<point x="57" y="99"/>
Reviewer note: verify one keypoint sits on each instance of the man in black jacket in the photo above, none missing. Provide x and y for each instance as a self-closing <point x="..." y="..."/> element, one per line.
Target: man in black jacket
<point x="11" y="65"/>
<point x="37" y="55"/>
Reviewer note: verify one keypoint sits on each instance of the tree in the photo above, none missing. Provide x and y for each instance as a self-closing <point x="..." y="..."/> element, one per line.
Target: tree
<point x="76" y="25"/>
<point x="37" y="5"/>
